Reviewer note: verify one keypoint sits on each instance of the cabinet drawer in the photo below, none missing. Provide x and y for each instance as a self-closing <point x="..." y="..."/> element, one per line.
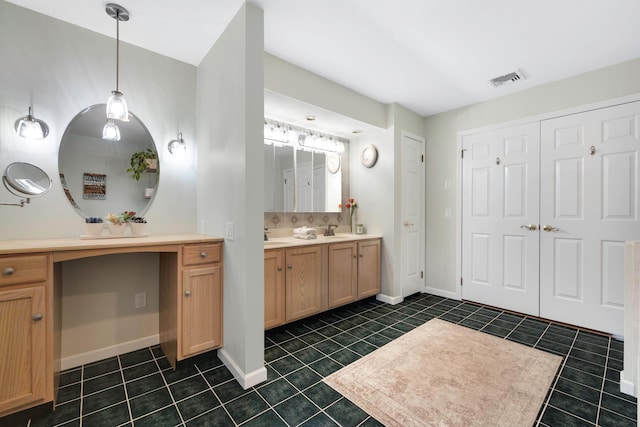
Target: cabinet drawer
<point x="23" y="269"/>
<point x="201" y="253"/>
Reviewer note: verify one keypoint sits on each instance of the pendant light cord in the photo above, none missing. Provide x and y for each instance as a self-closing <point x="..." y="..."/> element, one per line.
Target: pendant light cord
<point x="117" y="50"/>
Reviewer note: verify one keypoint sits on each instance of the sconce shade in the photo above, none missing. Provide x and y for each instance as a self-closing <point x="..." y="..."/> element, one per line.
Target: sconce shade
<point x="117" y="107"/>
<point x="178" y="147"/>
<point x="110" y="131"/>
<point x="31" y="128"/>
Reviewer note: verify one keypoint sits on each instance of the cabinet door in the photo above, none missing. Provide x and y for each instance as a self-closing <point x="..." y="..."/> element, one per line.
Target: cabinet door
<point x="368" y="268"/>
<point x="302" y="282"/>
<point x="273" y="288"/>
<point x="343" y="273"/>
<point x="201" y="310"/>
<point x="22" y="347"/>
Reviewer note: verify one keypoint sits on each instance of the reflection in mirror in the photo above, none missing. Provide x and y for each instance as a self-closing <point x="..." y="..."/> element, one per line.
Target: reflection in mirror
<point x="302" y="169"/>
<point x="25" y="180"/>
<point x="93" y="171"/>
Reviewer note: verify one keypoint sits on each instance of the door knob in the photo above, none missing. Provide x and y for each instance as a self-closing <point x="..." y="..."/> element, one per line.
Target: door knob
<point x="36" y="317"/>
<point x="531" y="227"/>
<point x="203" y="254"/>
<point x="8" y="271"/>
<point x="548" y="228"/>
<point x="187" y="293"/>
<point x="279" y="268"/>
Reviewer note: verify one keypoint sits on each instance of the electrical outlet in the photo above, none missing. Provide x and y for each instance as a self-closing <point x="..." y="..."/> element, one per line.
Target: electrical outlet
<point x="140" y="300"/>
<point x="228" y="231"/>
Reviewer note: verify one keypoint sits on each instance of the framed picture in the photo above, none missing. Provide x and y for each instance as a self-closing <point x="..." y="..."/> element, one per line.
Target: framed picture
<point x="94" y="186"/>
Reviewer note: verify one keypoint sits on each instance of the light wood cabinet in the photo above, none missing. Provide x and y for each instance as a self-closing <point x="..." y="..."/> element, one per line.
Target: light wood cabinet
<point x="368" y="268"/>
<point x="273" y="288"/>
<point x="315" y="278"/>
<point x="25" y="369"/>
<point x="201" y="328"/>
<point x="354" y="271"/>
<point x="343" y="273"/>
<point x="190" y="294"/>
<point x="191" y="301"/>
<point x="303" y="292"/>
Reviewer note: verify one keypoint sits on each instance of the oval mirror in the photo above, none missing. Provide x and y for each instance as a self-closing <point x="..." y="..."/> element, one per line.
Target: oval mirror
<point x="26" y="180"/>
<point x="94" y="171"/>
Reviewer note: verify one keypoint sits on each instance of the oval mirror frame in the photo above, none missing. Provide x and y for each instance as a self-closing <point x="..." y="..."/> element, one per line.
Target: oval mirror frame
<point x="26" y="180"/>
<point x="93" y="171"/>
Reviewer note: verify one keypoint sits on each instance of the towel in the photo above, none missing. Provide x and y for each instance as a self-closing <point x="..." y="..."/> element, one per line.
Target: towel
<point x="305" y="236"/>
<point x="305" y="231"/>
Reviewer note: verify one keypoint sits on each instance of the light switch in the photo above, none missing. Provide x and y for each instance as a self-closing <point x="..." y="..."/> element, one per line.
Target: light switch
<point x="228" y="231"/>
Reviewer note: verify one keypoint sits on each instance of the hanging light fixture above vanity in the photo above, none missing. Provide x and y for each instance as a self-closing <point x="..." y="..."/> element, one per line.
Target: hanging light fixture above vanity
<point x="117" y="105"/>
<point x="178" y="147"/>
<point x="31" y="128"/>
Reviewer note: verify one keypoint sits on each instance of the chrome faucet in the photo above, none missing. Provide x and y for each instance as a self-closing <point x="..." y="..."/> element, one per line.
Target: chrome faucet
<point x="329" y="230"/>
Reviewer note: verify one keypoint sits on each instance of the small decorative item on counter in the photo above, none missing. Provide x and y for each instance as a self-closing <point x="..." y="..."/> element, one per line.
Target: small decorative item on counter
<point x="359" y="229"/>
<point x="116" y="223"/>
<point x="138" y="225"/>
<point x="351" y="207"/>
<point x="93" y="225"/>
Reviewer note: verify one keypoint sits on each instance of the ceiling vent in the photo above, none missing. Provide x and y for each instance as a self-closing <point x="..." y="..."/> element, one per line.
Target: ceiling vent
<point x="508" y="79"/>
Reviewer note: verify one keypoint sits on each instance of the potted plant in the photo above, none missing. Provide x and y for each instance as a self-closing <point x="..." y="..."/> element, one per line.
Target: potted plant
<point x="138" y="225"/>
<point x="93" y="225"/>
<point x="141" y="161"/>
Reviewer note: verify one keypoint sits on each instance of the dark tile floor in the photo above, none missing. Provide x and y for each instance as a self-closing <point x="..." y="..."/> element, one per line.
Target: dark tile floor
<point x="140" y="389"/>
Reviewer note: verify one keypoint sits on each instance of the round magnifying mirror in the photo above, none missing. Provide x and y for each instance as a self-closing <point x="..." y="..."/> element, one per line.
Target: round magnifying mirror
<point x="26" y="180"/>
<point x="94" y="170"/>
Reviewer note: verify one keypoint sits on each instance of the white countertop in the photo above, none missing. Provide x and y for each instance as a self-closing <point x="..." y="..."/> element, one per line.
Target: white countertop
<point x="286" y="242"/>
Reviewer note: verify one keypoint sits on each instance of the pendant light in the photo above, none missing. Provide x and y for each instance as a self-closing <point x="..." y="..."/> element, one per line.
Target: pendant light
<point x="116" y="105"/>
<point x="31" y="128"/>
<point x="110" y="131"/>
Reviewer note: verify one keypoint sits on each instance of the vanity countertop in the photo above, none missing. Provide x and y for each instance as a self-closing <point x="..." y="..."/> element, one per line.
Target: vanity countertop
<point x="287" y="242"/>
<point x="77" y="244"/>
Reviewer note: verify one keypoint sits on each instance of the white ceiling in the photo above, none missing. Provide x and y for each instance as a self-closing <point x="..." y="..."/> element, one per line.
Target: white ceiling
<point x="427" y="55"/>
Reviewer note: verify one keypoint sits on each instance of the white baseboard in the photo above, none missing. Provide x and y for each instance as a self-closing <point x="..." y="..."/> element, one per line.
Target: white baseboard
<point x="627" y="386"/>
<point x="245" y="380"/>
<point x="441" y="293"/>
<point x="104" y="353"/>
<point x="389" y="300"/>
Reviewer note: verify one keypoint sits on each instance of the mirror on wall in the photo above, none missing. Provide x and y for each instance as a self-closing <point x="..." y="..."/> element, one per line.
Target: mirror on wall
<point x="93" y="171"/>
<point x="302" y="170"/>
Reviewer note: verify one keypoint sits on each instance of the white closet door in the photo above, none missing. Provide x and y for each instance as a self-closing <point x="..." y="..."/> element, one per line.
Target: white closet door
<point x="589" y="205"/>
<point x="500" y="244"/>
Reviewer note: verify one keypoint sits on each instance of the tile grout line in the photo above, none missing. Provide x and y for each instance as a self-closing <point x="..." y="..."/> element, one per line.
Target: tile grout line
<point x="164" y="381"/>
<point x="124" y="386"/>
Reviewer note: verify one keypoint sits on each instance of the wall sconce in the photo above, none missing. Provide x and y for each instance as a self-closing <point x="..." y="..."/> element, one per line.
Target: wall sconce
<point x="116" y="105"/>
<point x="110" y="131"/>
<point x="30" y="127"/>
<point x="178" y="147"/>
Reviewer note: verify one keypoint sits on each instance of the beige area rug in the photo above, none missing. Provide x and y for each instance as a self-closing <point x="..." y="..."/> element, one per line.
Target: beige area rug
<point x="441" y="374"/>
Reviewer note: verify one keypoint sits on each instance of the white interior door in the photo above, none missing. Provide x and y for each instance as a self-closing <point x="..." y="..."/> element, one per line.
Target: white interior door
<point x="589" y="207"/>
<point x="500" y="198"/>
<point x="412" y="214"/>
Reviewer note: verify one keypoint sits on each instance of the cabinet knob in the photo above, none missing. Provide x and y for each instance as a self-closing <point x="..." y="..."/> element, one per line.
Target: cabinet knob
<point x="8" y="271"/>
<point x="187" y="293"/>
<point x="37" y="316"/>
<point x="361" y="255"/>
<point x="279" y="268"/>
<point x="354" y="256"/>
<point x="289" y="266"/>
<point x="203" y="254"/>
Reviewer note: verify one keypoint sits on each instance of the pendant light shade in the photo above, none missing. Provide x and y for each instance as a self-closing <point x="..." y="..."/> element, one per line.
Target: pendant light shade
<point x="110" y="131"/>
<point x="31" y="128"/>
<point x="116" y="105"/>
